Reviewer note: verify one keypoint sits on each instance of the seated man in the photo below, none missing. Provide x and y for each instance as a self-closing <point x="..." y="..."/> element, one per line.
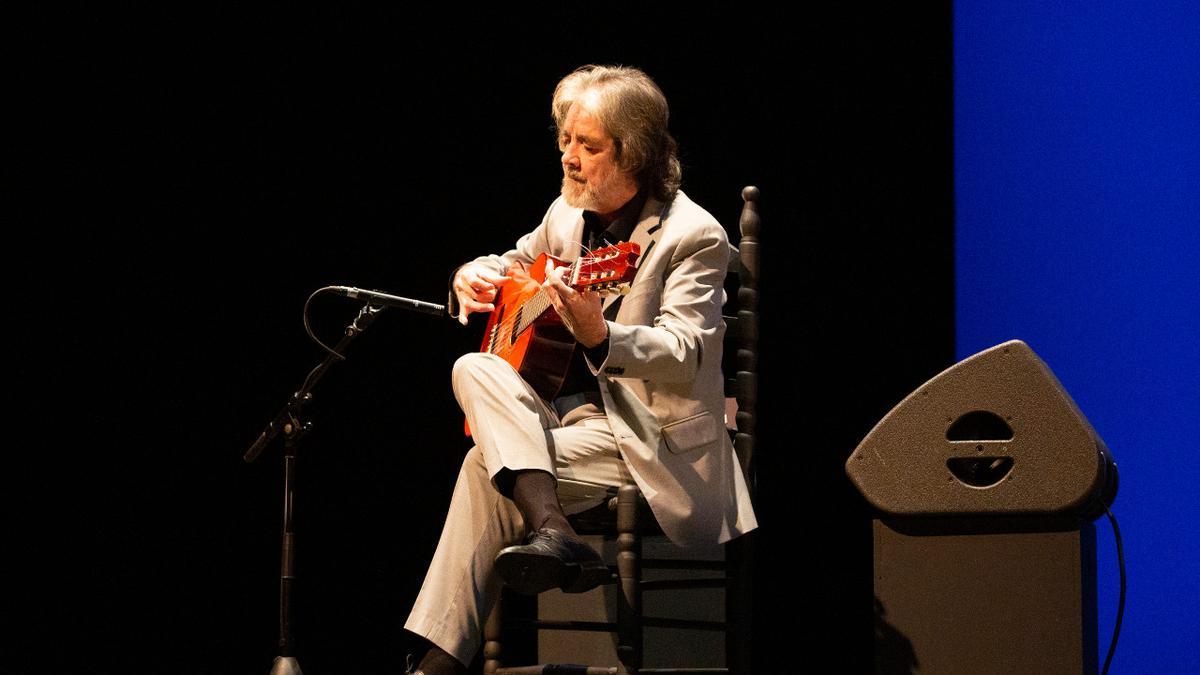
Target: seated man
<point x="643" y="398"/>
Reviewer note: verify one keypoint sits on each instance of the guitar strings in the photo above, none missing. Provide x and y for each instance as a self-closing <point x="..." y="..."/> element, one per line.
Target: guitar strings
<point x="537" y="303"/>
<point x="507" y="328"/>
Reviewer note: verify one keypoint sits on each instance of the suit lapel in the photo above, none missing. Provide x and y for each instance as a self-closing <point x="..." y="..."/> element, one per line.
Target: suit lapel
<point x="645" y="234"/>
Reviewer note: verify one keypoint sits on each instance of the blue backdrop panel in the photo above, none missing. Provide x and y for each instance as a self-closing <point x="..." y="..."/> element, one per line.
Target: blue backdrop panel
<point x="1077" y="178"/>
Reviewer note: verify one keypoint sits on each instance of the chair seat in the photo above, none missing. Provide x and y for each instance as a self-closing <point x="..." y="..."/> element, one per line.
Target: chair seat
<point x="602" y="518"/>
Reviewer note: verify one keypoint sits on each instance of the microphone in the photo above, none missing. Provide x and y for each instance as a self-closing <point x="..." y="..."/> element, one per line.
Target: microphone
<point x="386" y="300"/>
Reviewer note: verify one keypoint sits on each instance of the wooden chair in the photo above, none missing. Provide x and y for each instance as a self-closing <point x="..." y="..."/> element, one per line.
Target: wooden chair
<point x="633" y="520"/>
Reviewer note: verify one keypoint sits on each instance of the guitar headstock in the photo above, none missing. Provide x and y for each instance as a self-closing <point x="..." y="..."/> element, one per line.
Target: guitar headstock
<point x="607" y="270"/>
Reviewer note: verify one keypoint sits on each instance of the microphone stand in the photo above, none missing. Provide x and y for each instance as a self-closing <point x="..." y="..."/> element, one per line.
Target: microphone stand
<point x="290" y="421"/>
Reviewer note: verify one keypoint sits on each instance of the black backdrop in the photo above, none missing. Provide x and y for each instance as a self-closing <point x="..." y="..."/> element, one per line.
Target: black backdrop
<point x="191" y="176"/>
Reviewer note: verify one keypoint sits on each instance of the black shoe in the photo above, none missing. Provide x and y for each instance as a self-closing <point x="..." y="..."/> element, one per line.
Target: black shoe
<point x="550" y="559"/>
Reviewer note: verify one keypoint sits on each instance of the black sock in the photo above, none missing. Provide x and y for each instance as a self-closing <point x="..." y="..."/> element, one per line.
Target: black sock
<point x="438" y="662"/>
<point x="533" y="492"/>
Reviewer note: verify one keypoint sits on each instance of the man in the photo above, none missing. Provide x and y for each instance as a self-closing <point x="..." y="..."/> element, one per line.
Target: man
<point x="643" y="400"/>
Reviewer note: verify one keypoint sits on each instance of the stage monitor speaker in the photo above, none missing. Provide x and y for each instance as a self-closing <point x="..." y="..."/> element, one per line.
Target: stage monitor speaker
<point x="987" y="478"/>
<point x="995" y="434"/>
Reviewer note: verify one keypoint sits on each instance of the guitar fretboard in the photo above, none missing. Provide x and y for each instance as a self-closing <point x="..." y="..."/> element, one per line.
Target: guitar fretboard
<point x="529" y="312"/>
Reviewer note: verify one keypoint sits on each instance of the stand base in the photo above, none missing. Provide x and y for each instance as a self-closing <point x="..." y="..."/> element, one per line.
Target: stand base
<point x="286" y="665"/>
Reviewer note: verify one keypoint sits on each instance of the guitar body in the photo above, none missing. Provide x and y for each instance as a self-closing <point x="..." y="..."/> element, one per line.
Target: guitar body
<point x="524" y="329"/>
<point x="542" y="352"/>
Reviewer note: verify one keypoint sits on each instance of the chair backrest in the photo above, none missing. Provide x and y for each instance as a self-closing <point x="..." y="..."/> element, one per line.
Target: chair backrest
<point x="740" y="358"/>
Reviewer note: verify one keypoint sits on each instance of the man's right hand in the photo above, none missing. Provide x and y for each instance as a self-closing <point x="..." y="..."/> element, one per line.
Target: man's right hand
<point x="476" y="287"/>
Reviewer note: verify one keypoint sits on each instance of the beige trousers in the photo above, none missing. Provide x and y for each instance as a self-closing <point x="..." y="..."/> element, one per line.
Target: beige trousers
<point x="513" y="429"/>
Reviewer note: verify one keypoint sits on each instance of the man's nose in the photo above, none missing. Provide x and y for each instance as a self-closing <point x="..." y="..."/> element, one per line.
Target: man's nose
<point x="570" y="158"/>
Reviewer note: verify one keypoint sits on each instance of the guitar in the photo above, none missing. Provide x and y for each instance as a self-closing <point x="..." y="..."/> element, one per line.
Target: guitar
<point x="524" y="329"/>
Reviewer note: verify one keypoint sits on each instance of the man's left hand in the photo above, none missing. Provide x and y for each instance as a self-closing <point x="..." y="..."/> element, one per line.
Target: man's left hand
<point x="580" y="312"/>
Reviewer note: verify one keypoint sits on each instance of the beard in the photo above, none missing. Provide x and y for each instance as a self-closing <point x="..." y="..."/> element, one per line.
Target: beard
<point x="602" y="194"/>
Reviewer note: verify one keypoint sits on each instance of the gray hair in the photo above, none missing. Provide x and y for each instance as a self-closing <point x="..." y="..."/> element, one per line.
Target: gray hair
<point x="634" y="112"/>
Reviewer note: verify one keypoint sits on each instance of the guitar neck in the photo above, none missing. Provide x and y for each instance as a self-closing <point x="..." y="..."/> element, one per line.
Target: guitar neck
<point x="604" y="270"/>
<point x="533" y="308"/>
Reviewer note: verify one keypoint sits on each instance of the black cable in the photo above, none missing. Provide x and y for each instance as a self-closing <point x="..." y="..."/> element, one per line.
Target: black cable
<point x="1112" y="647"/>
<point x="308" y="329"/>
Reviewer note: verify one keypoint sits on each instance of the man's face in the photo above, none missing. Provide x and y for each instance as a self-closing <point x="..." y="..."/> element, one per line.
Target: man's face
<point x="592" y="180"/>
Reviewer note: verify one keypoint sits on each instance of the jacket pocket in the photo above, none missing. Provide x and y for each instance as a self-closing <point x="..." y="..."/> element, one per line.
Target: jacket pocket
<point x="690" y="433"/>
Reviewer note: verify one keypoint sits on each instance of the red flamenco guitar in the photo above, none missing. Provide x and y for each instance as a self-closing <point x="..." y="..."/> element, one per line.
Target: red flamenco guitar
<point x="524" y="329"/>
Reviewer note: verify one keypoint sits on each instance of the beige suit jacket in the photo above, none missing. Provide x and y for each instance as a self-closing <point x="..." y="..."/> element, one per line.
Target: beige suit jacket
<point x="661" y="383"/>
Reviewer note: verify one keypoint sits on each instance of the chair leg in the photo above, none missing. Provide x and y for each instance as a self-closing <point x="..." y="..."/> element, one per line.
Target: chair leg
<point x="739" y="598"/>
<point x="629" y="571"/>
<point x="493" y="648"/>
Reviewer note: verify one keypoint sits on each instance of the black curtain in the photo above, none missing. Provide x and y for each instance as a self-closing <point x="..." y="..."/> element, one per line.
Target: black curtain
<point x="186" y="177"/>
